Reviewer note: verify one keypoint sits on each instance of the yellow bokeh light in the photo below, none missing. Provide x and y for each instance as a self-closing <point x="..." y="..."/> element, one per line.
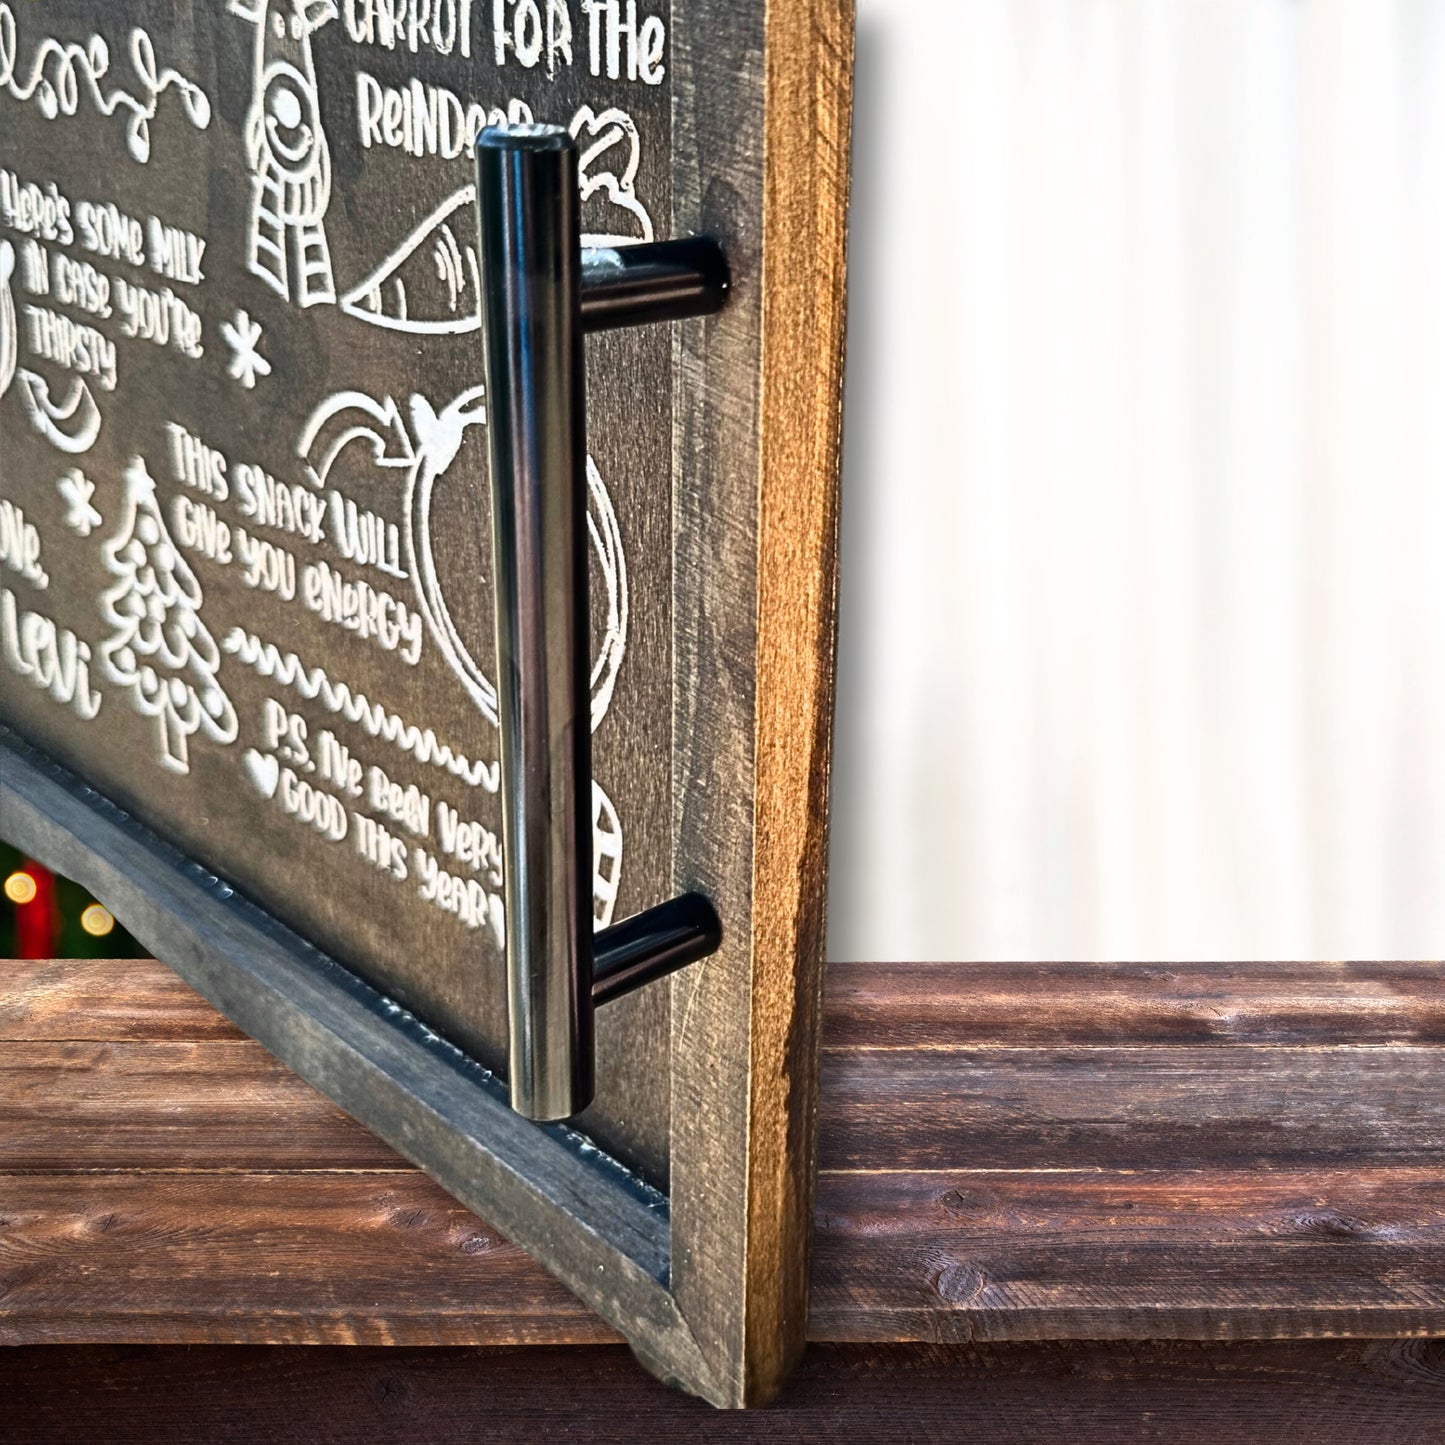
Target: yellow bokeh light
<point x="20" y="888"/>
<point x="96" y="921"/>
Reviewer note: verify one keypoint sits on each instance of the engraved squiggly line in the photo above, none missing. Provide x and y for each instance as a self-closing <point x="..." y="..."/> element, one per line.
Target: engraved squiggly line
<point x="59" y="92"/>
<point x="312" y="683"/>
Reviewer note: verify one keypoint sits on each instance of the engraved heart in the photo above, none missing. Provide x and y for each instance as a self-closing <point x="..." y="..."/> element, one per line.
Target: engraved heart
<point x="264" y="771"/>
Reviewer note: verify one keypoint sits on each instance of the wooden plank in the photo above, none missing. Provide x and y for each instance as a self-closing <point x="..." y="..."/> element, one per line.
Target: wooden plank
<point x="1316" y="1393"/>
<point x="388" y="1257"/>
<point x="222" y="1104"/>
<point x="1314" y="1202"/>
<point x="1200" y="1255"/>
<point x="89" y="1105"/>
<point x="341" y="1258"/>
<point x="1169" y="1107"/>
<point x="883" y="1005"/>
<point x="109" y="1000"/>
<point x="914" y="1005"/>
<point x="752" y="704"/>
<point x="809" y="58"/>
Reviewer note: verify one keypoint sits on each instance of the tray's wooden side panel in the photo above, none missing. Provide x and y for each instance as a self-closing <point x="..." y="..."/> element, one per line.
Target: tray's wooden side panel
<point x="765" y="379"/>
<point x="717" y="125"/>
<point x="809" y="91"/>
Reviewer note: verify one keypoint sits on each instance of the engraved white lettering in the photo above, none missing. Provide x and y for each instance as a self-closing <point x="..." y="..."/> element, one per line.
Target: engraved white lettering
<point x="158" y="316"/>
<point x="266" y="566"/>
<point x="289" y="508"/>
<point x="464" y="897"/>
<point x="471" y="844"/>
<point x="108" y="232"/>
<point x="365" y="538"/>
<point x="176" y="254"/>
<point x="414" y="25"/>
<point x="198" y="466"/>
<point x="285" y="733"/>
<point x="425" y="120"/>
<point x="620" y="47"/>
<point x="78" y="348"/>
<point x="338" y="767"/>
<point x="308" y="804"/>
<point x="408" y="805"/>
<point x="368" y="611"/>
<point x="79" y="284"/>
<point x="35" y="211"/>
<point x="20" y="545"/>
<point x="380" y="848"/>
<point x="52" y="657"/>
<point x="198" y="529"/>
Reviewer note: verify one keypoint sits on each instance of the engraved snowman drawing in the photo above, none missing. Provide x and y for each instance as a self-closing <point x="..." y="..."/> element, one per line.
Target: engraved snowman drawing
<point x="287" y="152"/>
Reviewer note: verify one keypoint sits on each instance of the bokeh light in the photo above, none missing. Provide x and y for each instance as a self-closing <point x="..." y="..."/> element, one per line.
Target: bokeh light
<point x="97" y="921"/>
<point x="20" y="888"/>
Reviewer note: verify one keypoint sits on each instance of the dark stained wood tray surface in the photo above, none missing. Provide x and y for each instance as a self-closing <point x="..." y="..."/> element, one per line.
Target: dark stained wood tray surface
<point x="1008" y="1152"/>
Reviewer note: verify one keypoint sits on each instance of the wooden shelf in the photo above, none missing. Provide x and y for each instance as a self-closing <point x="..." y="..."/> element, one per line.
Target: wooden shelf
<point x="1008" y="1152"/>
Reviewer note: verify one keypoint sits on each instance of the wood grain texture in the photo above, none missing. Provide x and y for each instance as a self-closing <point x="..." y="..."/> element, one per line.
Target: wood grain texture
<point x="761" y="380"/>
<point x="919" y="1005"/>
<point x="387" y="1257"/>
<point x="1120" y="1108"/>
<point x="220" y="1104"/>
<point x="104" y="1000"/>
<point x="150" y="1209"/>
<point x="1201" y="1254"/>
<point x="1316" y="1393"/>
<point x="880" y="1005"/>
<point x="809" y="56"/>
<point x="367" y="1257"/>
<point x="1177" y="1107"/>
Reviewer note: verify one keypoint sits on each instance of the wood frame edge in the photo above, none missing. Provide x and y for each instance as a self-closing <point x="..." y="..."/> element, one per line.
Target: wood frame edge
<point x="808" y="98"/>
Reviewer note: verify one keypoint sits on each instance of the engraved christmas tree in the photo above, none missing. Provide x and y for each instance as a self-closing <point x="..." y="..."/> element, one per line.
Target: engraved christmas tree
<point x="160" y="648"/>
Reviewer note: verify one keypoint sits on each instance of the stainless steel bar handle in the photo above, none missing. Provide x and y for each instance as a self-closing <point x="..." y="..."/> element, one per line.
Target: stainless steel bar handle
<point x="532" y="329"/>
<point x="539" y="295"/>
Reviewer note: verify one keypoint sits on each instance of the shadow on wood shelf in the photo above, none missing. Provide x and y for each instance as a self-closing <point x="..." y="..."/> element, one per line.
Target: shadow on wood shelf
<point x="1286" y="1393"/>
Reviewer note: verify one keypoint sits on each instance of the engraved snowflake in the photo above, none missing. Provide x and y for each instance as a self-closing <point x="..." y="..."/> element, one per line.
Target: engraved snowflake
<point x="80" y="514"/>
<point x="243" y="336"/>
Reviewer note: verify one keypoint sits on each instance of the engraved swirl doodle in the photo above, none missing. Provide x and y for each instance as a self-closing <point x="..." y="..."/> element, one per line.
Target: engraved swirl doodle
<point x="313" y="684"/>
<point x="62" y="75"/>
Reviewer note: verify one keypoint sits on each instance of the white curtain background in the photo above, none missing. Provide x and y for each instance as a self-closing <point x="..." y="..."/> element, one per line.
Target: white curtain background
<point x="1143" y="563"/>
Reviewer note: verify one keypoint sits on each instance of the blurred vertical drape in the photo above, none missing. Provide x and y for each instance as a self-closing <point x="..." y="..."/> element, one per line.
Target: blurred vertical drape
<point x="1143" y="587"/>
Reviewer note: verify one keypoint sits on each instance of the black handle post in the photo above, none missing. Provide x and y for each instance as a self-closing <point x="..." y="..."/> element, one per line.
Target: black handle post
<point x="539" y="295"/>
<point x="530" y="255"/>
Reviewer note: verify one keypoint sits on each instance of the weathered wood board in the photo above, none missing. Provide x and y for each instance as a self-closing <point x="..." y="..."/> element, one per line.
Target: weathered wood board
<point x="1286" y="1185"/>
<point x="244" y="552"/>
